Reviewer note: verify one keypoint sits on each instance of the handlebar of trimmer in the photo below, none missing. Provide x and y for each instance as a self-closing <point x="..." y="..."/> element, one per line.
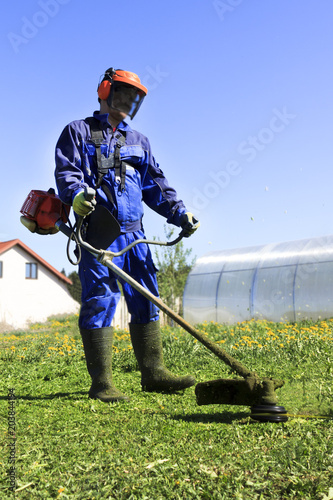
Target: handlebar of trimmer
<point x="90" y="248"/>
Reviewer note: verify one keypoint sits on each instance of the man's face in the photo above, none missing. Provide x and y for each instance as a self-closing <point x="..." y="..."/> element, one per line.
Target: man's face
<point x="123" y="98"/>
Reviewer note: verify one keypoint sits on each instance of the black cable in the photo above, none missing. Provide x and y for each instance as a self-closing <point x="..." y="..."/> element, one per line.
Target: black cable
<point x="72" y="237"/>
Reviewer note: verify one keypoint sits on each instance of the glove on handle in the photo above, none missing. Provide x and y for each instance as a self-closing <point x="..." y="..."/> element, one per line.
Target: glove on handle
<point x="189" y="224"/>
<point x="84" y="202"/>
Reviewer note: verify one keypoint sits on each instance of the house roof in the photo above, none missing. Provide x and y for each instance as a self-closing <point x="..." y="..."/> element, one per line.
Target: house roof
<point x="7" y="245"/>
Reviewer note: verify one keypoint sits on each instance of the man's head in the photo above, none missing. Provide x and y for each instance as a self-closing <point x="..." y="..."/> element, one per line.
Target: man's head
<point x="121" y="92"/>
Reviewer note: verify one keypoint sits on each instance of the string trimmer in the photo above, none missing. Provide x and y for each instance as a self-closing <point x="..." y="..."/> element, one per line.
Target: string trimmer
<point x="44" y="212"/>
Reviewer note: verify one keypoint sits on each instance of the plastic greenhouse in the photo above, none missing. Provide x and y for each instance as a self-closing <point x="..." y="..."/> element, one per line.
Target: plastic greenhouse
<point x="288" y="281"/>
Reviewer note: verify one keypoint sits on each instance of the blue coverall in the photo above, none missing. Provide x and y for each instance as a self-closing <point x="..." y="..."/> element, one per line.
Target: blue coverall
<point x="76" y="168"/>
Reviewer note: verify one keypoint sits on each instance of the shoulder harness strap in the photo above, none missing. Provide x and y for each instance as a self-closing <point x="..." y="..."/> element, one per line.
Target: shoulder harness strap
<point x="113" y="160"/>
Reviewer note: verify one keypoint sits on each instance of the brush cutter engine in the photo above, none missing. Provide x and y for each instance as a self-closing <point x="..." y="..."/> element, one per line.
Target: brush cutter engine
<point x="42" y="210"/>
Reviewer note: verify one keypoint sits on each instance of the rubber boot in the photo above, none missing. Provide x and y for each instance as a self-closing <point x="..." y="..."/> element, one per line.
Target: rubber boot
<point x="97" y="345"/>
<point x="147" y="346"/>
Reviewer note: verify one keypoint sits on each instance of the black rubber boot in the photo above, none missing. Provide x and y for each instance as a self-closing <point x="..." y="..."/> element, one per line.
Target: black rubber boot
<point x="97" y="345"/>
<point x="147" y="346"/>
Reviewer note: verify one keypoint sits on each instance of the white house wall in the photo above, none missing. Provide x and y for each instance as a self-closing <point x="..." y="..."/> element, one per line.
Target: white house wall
<point x="24" y="301"/>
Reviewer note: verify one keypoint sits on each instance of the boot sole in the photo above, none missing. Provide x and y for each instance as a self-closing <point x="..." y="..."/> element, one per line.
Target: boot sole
<point x="109" y="399"/>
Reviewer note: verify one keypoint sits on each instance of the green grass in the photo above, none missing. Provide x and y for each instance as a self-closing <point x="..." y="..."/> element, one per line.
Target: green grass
<point x="161" y="446"/>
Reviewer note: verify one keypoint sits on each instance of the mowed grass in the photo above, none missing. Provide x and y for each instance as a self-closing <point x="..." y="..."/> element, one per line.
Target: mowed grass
<point x="160" y="446"/>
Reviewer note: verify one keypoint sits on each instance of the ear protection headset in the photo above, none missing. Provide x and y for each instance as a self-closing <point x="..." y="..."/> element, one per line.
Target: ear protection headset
<point x="104" y="86"/>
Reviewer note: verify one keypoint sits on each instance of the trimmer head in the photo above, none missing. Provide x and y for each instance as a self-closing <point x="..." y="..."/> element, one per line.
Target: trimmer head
<point x="269" y="413"/>
<point x="249" y="391"/>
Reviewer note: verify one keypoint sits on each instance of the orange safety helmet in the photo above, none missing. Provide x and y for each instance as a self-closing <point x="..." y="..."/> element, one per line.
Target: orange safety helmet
<point x="117" y="80"/>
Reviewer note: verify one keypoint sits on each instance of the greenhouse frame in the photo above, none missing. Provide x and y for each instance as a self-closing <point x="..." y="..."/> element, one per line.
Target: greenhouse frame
<point x="280" y="282"/>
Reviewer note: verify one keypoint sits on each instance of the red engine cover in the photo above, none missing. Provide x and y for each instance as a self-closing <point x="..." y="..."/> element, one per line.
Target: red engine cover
<point x="45" y="208"/>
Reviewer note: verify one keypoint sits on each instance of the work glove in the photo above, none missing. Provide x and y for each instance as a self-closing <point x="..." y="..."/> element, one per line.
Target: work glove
<point x="33" y="228"/>
<point x="82" y="206"/>
<point x="189" y="224"/>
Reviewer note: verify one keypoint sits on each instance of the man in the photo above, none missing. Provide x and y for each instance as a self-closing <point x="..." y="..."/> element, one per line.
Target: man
<point x="104" y="153"/>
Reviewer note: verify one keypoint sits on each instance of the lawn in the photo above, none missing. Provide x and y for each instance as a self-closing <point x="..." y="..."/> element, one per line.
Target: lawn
<point x="60" y="444"/>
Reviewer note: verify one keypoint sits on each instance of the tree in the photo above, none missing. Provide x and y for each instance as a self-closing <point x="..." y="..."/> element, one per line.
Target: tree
<point x="173" y="269"/>
<point x="75" y="289"/>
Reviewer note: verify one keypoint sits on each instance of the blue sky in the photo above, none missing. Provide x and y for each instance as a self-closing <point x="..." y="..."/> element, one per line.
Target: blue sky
<point x="238" y="113"/>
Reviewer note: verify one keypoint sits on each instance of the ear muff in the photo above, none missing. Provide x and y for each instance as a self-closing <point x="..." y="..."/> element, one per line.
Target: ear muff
<point x="104" y="90"/>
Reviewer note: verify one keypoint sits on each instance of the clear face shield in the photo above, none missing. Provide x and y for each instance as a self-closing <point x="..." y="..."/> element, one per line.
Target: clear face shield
<point x="125" y="98"/>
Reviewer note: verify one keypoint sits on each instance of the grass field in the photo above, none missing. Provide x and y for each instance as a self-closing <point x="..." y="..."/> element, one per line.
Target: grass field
<point x="160" y="446"/>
